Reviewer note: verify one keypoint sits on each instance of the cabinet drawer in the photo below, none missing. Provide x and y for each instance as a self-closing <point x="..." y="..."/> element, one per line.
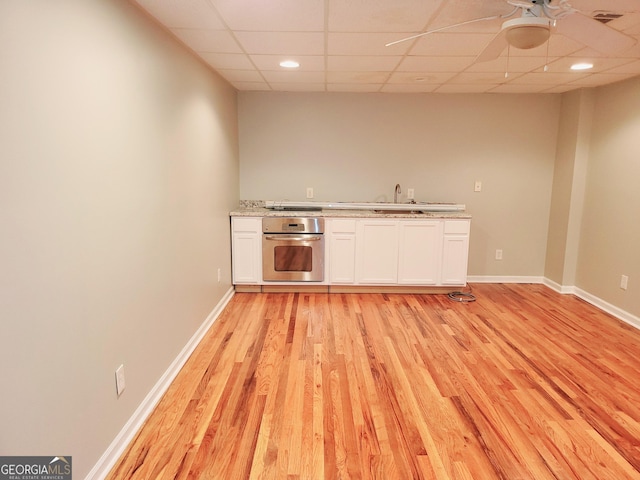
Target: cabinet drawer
<point x="343" y="225"/>
<point x="456" y="227"/>
<point x="247" y="224"/>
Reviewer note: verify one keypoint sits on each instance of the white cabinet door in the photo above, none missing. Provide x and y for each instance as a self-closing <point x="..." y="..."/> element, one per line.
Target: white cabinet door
<point x="343" y="256"/>
<point x="455" y="252"/>
<point x="341" y="250"/>
<point x="420" y="247"/>
<point x="377" y="252"/>
<point x="247" y="250"/>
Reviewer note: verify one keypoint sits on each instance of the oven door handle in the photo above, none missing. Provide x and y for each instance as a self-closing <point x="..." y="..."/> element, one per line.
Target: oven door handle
<point x="296" y="238"/>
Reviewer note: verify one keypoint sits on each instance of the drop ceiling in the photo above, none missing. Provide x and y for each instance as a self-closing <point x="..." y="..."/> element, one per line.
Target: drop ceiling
<point x="340" y="45"/>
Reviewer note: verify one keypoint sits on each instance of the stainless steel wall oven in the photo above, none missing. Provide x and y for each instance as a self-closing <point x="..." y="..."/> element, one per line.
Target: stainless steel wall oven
<point x="293" y="249"/>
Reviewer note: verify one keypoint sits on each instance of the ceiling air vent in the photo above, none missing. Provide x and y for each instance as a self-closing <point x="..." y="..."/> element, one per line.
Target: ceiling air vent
<point x="606" y="17"/>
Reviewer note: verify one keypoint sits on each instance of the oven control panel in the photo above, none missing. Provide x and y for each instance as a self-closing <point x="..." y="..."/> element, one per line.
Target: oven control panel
<point x="293" y="225"/>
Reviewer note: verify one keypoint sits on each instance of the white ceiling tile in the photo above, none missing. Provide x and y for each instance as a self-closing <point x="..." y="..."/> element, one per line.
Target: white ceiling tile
<point x="465" y="88"/>
<point x="419" y="78"/>
<point x="297" y="87"/>
<point x="313" y="63"/>
<point x="380" y="15"/>
<point x="181" y="14"/>
<point x="634" y="25"/>
<point x="616" y="6"/>
<point x="561" y="88"/>
<point x="588" y="53"/>
<point x="632" y="67"/>
<point x="599" y="64"/>
<point x="440" y="44"/>
<point x="357" y="77"/>
<point x="341" y="45"/>
<point x="415" y="63"/>
<point x="292" y="76"/>
<point x="228" y="61"/>
<point x="519" y="88"/>
<point x="274" y="15"/>
<point x="482" y="78"/>
<point x="599" y="79"/>
<point x="409" y="88"/>
<point x="510" y="64"/>
<point x="217" y="41"/>
<point x="549" y="78"/>
<point x="354" y="87"/>
<point x="633" y="52"/>
<point x="282" y="43"/>
<point x="365" y="44"/>
<point x="628" y="23"/>
<point x="361" y="63"/>
<point x="242" y="75"/>
<point x="252" y="86"/>
<point x="457" y="11"/>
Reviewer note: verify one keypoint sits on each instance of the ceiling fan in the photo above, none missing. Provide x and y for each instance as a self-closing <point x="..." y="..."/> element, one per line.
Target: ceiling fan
<point x="534" y="26"/>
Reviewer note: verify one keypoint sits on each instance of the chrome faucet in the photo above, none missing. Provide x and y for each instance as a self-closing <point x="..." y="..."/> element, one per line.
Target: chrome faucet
<point x="396" y="192"/>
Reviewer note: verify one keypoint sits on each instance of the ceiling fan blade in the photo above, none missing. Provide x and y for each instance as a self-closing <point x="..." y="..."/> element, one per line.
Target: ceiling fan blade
<point x="593" y="34"/>
<point x="494" y="48"/>
<point x="435" y="30"/>
<point x="615" y="6"/>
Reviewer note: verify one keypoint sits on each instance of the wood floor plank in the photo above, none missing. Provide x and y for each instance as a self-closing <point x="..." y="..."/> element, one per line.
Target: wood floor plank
<point x="524" y="383"/>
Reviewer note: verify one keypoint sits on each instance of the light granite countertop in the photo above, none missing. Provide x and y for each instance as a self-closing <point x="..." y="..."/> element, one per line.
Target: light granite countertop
<point x="253" y="209"/>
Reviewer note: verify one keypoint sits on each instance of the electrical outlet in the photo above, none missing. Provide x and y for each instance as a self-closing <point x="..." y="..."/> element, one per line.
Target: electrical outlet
<point x="410" y="194"/>
<point x="624" y="282"/>
<point x="477" y="186"/>
<point x="120" y="383"/>
<point x="309" y="192"/>
<point x="219" y="275"/>
<point x="498" y="254"/>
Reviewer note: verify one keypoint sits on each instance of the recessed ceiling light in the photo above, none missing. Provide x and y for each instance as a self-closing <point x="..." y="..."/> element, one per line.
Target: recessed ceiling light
<point x="581" y="66"/>
<point x="289" y="64"/>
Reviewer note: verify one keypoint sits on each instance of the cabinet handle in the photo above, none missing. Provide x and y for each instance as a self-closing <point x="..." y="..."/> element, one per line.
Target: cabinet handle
<point x="293" y="237"/>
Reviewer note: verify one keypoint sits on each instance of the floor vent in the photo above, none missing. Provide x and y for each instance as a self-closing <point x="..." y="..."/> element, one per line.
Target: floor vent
<point x="606" y="17"/>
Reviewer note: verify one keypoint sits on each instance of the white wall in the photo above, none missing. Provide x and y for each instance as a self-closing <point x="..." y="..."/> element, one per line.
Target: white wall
<point x="358" y="146"/>
<point x="118" y="166"/>
<point x="569" y="183"/>
<point x="610" y="229"/>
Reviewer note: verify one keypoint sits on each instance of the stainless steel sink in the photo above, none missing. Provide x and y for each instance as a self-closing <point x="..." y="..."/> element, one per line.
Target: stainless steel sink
<point x="378" y="207"/>
<point x="401" y="212"/>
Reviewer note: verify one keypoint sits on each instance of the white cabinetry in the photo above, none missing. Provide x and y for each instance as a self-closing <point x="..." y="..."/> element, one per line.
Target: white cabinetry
<point x="455" y="252"/>
<point x="247" y="249"/>
<point x="341" y="250"/>
<point x="419" y="253"/>
<point x="371" y="251"/>
<point x="397" y="251"/>
<point x="377" y="252"/>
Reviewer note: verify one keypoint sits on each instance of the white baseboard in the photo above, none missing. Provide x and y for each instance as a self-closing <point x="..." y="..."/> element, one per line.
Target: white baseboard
<point x="603" y="305"/>
<point x="128" y="432"/>
<point x="609" y="308"/>
<point x="503" y="279"/>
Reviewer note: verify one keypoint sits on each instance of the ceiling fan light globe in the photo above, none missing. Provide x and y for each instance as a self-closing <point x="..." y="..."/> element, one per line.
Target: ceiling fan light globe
<point x="526" y="33"/>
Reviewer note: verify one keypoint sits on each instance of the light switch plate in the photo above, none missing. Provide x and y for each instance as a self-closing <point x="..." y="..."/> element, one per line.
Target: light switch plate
<point x="120" y="383"/>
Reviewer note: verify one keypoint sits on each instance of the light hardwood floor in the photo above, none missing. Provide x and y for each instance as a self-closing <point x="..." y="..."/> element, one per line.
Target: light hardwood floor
<point x="524" y="383"/>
